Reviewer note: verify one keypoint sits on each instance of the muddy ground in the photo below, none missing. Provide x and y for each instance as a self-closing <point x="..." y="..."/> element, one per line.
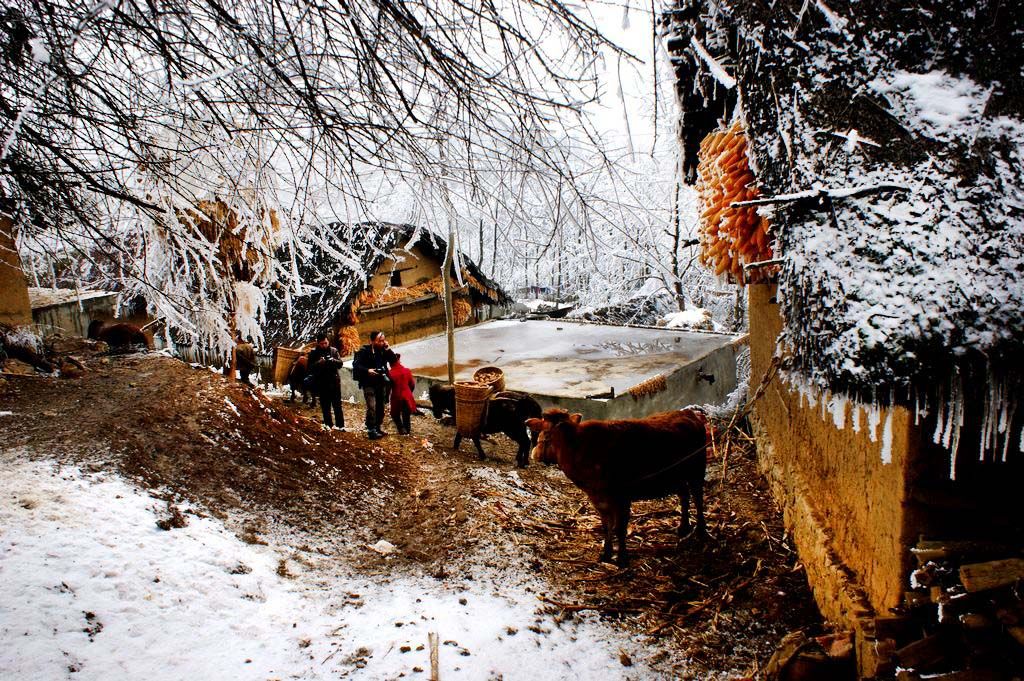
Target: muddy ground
<point x="257" y="462"/>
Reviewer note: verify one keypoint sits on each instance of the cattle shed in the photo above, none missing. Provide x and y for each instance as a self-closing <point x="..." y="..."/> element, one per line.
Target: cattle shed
<point x="597" y="370"/>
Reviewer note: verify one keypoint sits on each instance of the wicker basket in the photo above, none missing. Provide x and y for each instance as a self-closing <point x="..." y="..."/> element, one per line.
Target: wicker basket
<point x="492" y="376"/>
<point x="284" y="358"/>
<point x="470" y="407"/>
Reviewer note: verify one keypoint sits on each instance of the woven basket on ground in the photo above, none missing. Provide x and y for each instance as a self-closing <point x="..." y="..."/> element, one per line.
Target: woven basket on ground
<point x="470" y="407"/>
<point x="492" y="376"/>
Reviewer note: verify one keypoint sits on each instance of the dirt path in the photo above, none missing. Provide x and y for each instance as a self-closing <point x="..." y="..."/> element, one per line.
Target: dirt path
<point x="258" y="462"/>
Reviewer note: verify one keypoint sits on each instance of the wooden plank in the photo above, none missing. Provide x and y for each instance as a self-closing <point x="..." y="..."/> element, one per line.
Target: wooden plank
<point x="991" y="575"/>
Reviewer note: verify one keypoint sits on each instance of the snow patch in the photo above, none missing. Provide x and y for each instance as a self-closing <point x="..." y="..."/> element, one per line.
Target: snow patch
<point x="91" y="585"/>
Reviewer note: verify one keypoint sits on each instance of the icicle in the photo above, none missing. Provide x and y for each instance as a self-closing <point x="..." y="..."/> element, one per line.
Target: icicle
<point x="874" y="418"/>
<point x="1011" y="411"/>
<point x="887" y="436"/>
<point x="838" y="406"/>
<point x="940" y="418"/>
<point x="855" y="417"/>
<point x="951" y="436"/>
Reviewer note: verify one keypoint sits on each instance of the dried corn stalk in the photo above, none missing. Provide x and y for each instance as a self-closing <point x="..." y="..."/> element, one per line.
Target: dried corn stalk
<point x="730" y="237"/>
<point x="348" y="338"/>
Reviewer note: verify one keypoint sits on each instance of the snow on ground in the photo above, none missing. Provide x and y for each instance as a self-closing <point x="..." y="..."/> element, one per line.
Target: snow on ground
<point x="90" y="585"/>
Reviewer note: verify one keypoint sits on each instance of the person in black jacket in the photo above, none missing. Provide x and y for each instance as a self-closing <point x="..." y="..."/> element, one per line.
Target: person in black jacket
<point x="324" y="363"/>
<point x="370" y="369"/>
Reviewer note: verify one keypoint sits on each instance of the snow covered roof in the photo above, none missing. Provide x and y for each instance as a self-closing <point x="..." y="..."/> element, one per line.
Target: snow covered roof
<point x="333" y="274"/>
<point x="892" y="138"/>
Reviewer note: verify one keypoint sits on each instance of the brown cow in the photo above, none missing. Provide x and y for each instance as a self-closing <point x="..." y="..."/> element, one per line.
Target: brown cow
<point x="618" y="462"/>
<point x="297" y="380"/>
<point x="118" y="334"/>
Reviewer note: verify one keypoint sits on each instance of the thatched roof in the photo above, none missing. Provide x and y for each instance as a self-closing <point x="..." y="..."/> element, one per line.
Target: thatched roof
<point x="903" y="253"/>
<point x="334" y="274"/>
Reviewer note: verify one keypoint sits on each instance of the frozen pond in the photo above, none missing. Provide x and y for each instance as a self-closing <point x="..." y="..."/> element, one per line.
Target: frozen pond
<point x="562" y="358"/>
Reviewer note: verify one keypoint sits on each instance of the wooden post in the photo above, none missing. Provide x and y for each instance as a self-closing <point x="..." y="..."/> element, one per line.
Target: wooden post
<point x="435" y="670"/>
<point x="449" y="310"/>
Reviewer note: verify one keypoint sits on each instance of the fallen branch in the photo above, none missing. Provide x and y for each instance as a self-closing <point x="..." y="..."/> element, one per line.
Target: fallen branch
<point x="822" y="193"/>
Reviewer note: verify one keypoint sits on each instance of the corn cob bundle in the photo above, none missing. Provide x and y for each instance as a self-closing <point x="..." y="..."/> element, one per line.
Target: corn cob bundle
<point x="729" y="237"/>
<point x="462" y="311"/>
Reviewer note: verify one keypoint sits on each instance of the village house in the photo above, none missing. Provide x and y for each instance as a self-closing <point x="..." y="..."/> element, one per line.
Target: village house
<point x="867" y="190"/>
<point x="394" y="285"/>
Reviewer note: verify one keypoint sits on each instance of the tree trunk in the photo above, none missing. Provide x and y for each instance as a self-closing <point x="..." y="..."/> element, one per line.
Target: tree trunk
<point x="449" y="310"/>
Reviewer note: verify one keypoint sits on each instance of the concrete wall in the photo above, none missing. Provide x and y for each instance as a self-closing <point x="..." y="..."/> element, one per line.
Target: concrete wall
<point x="73" y="319"/>
<point x="14" y="304"/>
<point x="844" y="507"/>
<point x="683" y="389"/>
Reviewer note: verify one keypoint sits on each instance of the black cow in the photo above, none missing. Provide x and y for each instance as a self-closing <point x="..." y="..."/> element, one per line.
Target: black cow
<point x="507" y="412"/>
<point x="118" y="334"/>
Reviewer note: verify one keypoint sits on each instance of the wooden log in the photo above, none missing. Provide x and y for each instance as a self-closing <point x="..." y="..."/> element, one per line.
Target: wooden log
<point x="1017" y="633"/>
<point x="928" y="653"/>
<point x="898" y="627"/>
<point x="969" y="675"/>
<point x="939" y="549"/>
<point x="991" y="575"/>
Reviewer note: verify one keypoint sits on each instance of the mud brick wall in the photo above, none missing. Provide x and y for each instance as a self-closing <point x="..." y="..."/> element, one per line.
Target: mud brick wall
<point x="415" y="268"/>
<point x="845" y="509"/>
<point x="14" y="304"/>
<point x="403" y="321"/>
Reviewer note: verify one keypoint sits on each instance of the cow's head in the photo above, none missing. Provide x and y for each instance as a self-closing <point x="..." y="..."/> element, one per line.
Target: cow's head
<point x="550" y="432"/>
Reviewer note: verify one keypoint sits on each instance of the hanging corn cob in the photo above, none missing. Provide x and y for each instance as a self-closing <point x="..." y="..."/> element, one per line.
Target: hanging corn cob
<point x="729" y="237"/>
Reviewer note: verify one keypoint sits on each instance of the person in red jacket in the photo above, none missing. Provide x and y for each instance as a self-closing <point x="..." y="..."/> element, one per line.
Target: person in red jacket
<point x="403" y="403"/>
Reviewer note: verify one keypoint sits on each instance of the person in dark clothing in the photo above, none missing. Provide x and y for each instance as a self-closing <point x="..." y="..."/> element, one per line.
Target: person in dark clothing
<point x="323" y="364"/>
<point x="370" y="369"/>
<point x="245" y="358"/>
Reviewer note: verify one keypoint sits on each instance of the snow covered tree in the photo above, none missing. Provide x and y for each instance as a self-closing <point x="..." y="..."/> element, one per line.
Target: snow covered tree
<point x="151" y="141"/>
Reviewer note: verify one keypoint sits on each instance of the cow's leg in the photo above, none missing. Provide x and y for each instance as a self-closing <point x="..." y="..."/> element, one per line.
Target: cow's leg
<point x="605" y="510"/>
<point x="698" y="504"/>
<point x="684" y="510"/>
<point x="292" y="398"/>
<point x="479" y="449"/>
<point x="522" y="438"/>
<point x="458" y="440"/>
<point x="622" y="525"/>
